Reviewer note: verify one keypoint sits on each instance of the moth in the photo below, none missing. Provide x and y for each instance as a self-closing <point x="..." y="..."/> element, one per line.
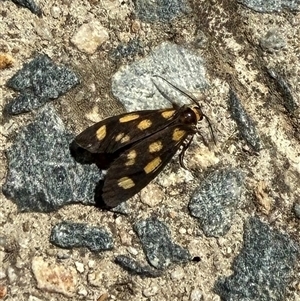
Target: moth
<point x="136" y="146"/>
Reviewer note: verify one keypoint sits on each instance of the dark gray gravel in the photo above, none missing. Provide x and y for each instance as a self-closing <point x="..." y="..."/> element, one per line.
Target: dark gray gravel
<point x="297" y="210"/>
<point x="160" y="10"/>
<point x="39" y="82"/>
<point x="245" y="124"/>
<point x="215" y="201"/>
<point x="157" y="244"/>
<point x="263" y="268"/>
<point x="42" y="174"/>
<point x="273" y="41"/>
<point x="69" y="235"/>
<point x="268" y="6"/>
<point x="289" y="101"/>
<point x="133" y="47"/>
<point x="31" y="5"/>
<point x="135" y="268"/>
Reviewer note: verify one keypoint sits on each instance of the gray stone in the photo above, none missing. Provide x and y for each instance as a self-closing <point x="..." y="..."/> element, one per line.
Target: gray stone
<point x="157" y="244"/>
<point x="297" y="210"/>
<point x="290" y="103"/>
<point x="273" y="41"/>
<point x="244" y="123"/>
<point x="70" y="235"/>
<point x="42" y="174"/>
<point x="135" y="268"/>
<point x="160" y="10"/>
<point x="133" y="47"/>
<point x="134" y="85"/>
<point x="263" y="268"/>
<point x="31" y="5"/>
<point x="39" y="82"/>
<point x="268" y="6"/>
<point x="215" y="201"/>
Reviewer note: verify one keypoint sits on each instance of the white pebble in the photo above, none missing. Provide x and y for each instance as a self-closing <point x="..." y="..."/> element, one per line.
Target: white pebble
<point x="196" y="295"/>
<point x="79" y="266"/>
<point x="150" y="291"/>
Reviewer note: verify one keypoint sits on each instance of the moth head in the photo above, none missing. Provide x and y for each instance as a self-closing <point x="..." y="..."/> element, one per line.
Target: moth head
<point x="191" y="115"/>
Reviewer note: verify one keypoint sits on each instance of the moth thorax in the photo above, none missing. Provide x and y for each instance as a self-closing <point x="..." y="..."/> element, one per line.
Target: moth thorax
<point x="191" y="115"/>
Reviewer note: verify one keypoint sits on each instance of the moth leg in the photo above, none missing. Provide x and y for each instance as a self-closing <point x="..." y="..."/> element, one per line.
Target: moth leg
<point x="203" y="139"/>
<point x="181" y="155"/>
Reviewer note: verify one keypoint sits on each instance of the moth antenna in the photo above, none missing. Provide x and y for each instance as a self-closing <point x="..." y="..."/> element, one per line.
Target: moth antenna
<point x="190" y="97"/>
<point x="179" y="90"/>
<point x="174" y="104"/>
<point x="211" y="129"/>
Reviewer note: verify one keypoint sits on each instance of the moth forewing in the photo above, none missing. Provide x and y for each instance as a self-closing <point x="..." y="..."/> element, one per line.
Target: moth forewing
<point x="117" y="132"/>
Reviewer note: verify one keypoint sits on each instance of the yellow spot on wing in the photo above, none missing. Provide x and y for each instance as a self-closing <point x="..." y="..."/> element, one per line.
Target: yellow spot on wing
<point x="152" y="165"/>
<point x="125" y="139"/>
<point x="101" y="132"/>
<point x="119" y="137"/>
<point x="129" y="117"/>
<point x="125" y="183"/>
<point x="155" y="147"/>
<point x="178" y="134"/>
<point x="167" y="114"/>
<point x="144" y="124"/>
<point x="131" y="158"/>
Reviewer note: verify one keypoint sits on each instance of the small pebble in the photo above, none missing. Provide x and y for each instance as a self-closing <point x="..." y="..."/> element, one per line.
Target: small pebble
<point x="135" y="26"/>
<point x="182" y="230"/>
<point x="82" y="292"/>
<point x="12" y="276"/>
<point x="79" y="267"/>
<point x="90" y="36"/>
<point x="178" y="273"/>
<point x="3" y="291"/>
<point x="55" y="12"/>
<point x="297" y="210"/>
<point x="152" y="195"/>
<point x="119" y="220"/>
<point x="63" y="255"/>
<point x="96" y="278"/>
<point x="2" y="274"/>
<point x="91" y="264"/>
<point x="125" y="237"/>
<point x="196" y="295"/>
<point x="33" y="298"/>
<point x="104" y="297"/>
<point x="150" y="291"/>
<point x="132" y="251"/>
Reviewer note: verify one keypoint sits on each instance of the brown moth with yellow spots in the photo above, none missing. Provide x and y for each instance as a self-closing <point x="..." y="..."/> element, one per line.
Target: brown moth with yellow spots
<point x="136" y="146"/>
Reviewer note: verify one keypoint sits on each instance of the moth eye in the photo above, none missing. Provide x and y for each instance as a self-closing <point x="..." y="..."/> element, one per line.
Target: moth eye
<point x="189" y="116"/>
